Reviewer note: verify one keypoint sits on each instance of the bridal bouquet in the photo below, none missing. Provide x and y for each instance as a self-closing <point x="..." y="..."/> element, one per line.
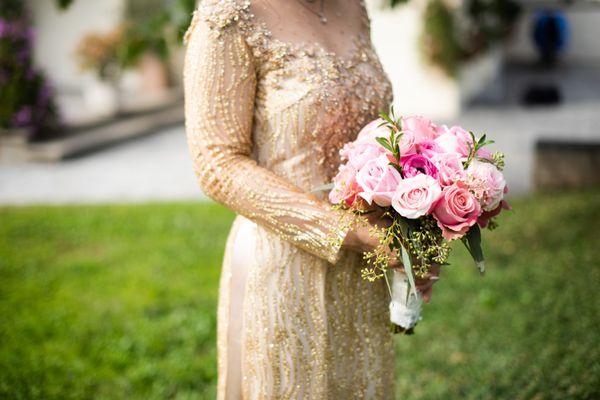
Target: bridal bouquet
<point x="434" y="184"/>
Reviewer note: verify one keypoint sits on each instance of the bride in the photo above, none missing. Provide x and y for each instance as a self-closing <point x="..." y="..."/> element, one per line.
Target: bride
<point x="274" y="88"/>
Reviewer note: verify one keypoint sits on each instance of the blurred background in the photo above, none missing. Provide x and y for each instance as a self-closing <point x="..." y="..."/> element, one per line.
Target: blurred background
<point x="110" y="255"/>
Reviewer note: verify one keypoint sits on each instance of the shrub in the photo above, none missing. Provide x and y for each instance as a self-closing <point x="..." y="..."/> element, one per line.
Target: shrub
<point x="26" y="97"/>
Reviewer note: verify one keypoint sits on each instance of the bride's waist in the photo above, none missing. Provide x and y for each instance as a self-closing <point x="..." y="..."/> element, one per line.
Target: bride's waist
<point x="301" y="170"/>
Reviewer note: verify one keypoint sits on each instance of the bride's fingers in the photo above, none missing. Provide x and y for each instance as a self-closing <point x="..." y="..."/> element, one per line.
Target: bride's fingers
<point x="424" y="286"/>
<point x="427" y="294"/>
<point x="395" y="263"/>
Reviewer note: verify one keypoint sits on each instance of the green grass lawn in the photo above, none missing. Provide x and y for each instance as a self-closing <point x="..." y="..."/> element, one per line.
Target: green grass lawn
<point x="118" y="302"/>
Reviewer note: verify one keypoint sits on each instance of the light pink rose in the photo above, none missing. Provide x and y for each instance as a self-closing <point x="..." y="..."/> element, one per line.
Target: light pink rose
<point x="484" y="153"/>
<point x="416" y="196"/>
<point x="450" y="168"/>
<point x="359" y="152"/>
<point x="456" y="211"/>
<point x="420" y="126"/>
<point x="345" y="187"/>
<point x="378" y="181"/>
<point x="455" y="140"/>
<point x="415" y="164"/>
<point x="365" y="147"/>
<point x="429" y="148"/>
<point x="487" y="184"/>
<point x="372" y="130"/>
<point x="408" y="143"/>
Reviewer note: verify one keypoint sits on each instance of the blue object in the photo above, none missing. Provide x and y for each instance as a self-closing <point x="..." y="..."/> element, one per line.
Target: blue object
<point x="550" y="34"/>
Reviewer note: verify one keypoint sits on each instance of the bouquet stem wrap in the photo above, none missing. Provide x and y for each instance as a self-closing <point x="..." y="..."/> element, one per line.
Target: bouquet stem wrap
<point x="405" y="307"/>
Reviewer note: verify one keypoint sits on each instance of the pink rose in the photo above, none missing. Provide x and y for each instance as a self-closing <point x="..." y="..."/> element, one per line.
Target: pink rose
<point x="365" y="147"/>
<point x="429" y="148"/>
<point x="421" y="127"/>
<point x="487" y="183"/>
<point x="372" y="130"/>
<point x="455" y="140"/>
<point x="416" y="196"/>
<point x="345" y="187"/>
<point x="456" y="211"/>
<point x="378" y="181"/>
<point x="359" y="152"/>
<point x="450" y="168"/>
<point x="408" y="143"/>
<point x="418" y="164"/>
<point x="486" y="216"/>
<point x="484" y="153"/>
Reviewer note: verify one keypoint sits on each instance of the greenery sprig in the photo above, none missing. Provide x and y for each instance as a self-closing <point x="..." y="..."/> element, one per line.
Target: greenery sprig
<point x="475" y="146"/>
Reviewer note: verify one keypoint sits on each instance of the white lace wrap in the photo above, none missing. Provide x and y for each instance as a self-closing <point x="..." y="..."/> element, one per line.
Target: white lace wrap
<point x="405" y="310"/>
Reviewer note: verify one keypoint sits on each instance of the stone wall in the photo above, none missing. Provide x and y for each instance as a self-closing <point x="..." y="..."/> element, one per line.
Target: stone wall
<point x="564" y="164"/>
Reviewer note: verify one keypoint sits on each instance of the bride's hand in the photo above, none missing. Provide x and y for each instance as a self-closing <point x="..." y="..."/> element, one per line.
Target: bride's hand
<point x="361" y="240"/>
<point x="425" y="284"/>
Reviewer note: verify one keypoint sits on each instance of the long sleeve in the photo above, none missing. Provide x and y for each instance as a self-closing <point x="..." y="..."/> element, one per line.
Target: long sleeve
<point x="220" y="82"/>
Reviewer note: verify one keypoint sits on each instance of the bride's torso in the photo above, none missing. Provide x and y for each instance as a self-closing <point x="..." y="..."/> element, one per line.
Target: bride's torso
<point x="317" y="84"/>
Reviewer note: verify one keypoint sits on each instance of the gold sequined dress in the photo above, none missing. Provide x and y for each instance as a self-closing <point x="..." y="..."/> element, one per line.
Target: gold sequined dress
<point x="266" y="116"/>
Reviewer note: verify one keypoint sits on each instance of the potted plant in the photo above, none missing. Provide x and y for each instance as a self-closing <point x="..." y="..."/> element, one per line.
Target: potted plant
<point x="98" y="53"/>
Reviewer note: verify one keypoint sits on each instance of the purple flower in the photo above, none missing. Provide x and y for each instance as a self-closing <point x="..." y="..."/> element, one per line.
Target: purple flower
<point x="22" y="117"/>
<point x="415" y="164"/>
<point x="5" y="28"/>
<point x="30" y="74"/>
<point x="23" y="55"/>
<point x="29" y="34"/>
<point x="45" y="95"/>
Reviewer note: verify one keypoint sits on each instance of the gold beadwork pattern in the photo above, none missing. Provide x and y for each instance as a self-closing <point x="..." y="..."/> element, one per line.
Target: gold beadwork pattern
<point x="265" y="121"/>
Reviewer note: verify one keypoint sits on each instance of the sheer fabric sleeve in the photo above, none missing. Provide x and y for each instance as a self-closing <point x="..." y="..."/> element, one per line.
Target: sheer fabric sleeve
<point x="220" y="83"/>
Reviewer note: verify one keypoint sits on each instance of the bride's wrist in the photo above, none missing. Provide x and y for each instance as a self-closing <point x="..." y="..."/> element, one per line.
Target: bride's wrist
<point x="358" y="240"/>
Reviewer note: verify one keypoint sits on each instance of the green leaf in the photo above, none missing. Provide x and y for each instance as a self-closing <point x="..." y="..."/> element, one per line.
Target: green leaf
<point x="63" y="4"/>
<point x="386" y="117"/>
<point x="385" y="143"/>
<point x="473" y="238"/>
<point x="408" y="269"/>
<point x="473" y="137"/>
<point x="323" y="188"/>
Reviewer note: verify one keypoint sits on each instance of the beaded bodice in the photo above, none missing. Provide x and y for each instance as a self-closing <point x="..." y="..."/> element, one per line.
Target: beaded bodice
<point x="334" y="94"/>
<point x="288" y="104"/>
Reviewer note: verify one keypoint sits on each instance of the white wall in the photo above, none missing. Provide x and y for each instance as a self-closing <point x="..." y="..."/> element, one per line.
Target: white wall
<point x="58" y="34"/>
<point x="420" y="87"/>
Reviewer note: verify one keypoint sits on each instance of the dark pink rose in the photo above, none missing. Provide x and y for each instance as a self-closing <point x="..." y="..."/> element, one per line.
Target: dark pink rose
<point x="486" y="216"/>
<point x="415" y="164"/>
<point x="456" y="211"/>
